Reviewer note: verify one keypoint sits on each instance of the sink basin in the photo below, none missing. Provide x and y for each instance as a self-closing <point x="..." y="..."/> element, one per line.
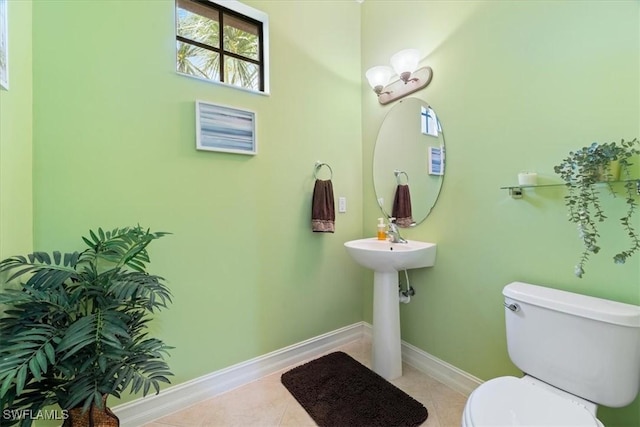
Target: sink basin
<point x="384" y="256"/>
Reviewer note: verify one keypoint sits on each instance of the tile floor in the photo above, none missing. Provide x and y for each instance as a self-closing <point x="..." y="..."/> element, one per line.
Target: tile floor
<point x="266" y="402"/>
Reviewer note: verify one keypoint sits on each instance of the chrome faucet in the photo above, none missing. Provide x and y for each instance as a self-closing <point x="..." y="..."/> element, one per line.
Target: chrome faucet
<point x="393" y="233"/>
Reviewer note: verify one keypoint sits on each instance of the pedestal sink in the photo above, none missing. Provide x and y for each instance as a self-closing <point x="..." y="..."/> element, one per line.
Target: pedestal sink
<point x="386" y="259"/>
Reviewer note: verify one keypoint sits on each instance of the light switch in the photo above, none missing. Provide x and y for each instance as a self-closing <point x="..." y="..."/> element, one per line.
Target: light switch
<point x="342" y="204"/>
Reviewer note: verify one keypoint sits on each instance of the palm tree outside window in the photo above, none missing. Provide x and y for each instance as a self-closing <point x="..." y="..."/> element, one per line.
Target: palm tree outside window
<point x="220" y="44"/>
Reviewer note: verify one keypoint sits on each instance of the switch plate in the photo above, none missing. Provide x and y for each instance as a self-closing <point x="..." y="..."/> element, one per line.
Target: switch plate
<point x="342" y="204"/>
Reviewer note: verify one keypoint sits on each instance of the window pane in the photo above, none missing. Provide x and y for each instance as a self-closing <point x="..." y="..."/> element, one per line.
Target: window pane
<point x="241" y="73"/>
<point x="241" y="37"/>
<point x="198" y="62"/>
<point x="198" y="23"/>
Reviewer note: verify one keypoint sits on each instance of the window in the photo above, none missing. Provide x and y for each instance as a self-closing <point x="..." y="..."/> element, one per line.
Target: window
<point x="225" y="44"/>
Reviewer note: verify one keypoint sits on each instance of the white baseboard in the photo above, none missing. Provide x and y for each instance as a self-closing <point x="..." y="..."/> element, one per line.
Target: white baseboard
<point x="440" y="370"/>
<point x="176" y="398"/>
<point x="144" y="410"/>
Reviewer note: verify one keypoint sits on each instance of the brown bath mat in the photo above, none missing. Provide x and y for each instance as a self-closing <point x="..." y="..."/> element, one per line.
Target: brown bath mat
<point x="338" y="391"/>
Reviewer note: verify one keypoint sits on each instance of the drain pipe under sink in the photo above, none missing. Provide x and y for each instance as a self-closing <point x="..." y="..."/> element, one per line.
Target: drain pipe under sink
<point x="405" y="296"/>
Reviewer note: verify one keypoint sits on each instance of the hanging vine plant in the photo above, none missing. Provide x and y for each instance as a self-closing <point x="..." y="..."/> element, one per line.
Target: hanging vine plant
<point x="600" y="162"/>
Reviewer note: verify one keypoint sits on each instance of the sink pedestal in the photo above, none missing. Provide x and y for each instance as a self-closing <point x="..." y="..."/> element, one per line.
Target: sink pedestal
<point x="386" y="346"/>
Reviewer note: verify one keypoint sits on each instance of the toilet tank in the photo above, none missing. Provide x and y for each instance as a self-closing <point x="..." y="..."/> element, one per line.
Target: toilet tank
<point x="589" y="347"/>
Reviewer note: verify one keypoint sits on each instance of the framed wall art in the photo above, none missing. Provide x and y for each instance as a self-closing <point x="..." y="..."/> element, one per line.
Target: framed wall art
<point x="4" y="46"/>
<point x="226" y="129"/>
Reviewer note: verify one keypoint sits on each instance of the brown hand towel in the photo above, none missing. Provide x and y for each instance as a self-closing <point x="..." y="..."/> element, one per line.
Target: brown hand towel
<point x="402" y="206"/>
<point x="323" y="213"/>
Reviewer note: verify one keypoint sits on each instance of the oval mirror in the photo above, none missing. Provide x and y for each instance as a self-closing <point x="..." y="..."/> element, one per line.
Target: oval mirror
<point x="409" y="159"/>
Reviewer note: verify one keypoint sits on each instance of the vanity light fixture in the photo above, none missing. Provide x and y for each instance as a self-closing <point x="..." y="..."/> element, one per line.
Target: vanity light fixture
<point x="405" y="65"/>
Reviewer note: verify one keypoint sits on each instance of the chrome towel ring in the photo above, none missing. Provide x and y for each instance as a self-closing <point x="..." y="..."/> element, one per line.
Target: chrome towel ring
<point x="319" y="165"/>
<point x="397" y="173"/>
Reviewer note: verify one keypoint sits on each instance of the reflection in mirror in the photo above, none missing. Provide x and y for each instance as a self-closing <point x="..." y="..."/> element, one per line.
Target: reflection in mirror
<point x="408" y="161"/>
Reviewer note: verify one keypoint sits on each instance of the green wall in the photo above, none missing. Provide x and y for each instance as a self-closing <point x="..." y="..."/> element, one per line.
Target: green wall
<point x="517" y="85"/>
<point x="114" y="145"/>
<point x="16" y="219"/>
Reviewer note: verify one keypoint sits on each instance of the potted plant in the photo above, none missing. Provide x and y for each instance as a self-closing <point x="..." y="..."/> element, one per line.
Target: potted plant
<point x="74" y="329"/>
<point x="584" y="168"/>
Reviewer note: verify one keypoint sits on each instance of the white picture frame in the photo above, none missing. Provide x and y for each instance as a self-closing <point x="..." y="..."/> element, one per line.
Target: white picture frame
<point x="436" y="160"/>
<point x="225" y="129"/>
<point x="4" y="45"/>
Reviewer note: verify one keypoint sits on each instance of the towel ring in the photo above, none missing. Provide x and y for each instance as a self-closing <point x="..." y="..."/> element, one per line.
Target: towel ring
<point x="319" y="164"/>
<point x="398" y="172"/>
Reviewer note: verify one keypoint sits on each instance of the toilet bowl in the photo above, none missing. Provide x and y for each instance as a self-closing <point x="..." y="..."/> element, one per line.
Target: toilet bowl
<point x="511" y="401"/>
<point x="576" y="352"/>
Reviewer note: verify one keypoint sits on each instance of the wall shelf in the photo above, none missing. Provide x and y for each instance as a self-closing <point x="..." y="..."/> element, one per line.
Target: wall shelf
<point x="517" y="191"/>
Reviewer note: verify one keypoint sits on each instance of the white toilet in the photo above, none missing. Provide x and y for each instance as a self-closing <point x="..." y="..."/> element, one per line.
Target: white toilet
<point x="576" y="352"/>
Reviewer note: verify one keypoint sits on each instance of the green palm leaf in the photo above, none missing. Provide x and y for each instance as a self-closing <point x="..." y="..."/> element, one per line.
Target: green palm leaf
<point x="23" y="356"/>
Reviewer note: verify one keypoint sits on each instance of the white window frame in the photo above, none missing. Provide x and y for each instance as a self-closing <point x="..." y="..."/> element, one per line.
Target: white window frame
<point x="258" y="15"/>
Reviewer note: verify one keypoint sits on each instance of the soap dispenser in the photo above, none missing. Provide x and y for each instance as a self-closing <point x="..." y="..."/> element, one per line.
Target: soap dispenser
<point x="382" y="233"/>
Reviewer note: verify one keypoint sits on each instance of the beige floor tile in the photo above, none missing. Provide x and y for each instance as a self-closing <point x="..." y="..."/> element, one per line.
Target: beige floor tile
<point x="448" y="404"/>
<point x="296" y="416"/>
<point x="191" y="416"/>
<point x="432" y="419"/>
<point x="266" y="402"/>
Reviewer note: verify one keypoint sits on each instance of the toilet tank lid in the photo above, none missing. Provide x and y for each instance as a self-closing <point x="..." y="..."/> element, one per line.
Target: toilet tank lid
<point x="603" y="310"/>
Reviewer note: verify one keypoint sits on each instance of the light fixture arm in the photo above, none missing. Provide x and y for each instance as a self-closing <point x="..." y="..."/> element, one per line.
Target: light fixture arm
<point x="379" y="90"/>
<point x="415" y="81"/>
<point x="405" y="77"/>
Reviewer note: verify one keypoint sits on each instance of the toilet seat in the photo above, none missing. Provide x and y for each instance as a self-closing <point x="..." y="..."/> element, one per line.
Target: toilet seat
<point x="511" y="401"/>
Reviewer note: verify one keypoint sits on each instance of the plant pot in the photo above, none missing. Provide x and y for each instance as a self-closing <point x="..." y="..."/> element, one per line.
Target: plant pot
<point x="612" y="173"/>
<point x="94" y="417"/>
